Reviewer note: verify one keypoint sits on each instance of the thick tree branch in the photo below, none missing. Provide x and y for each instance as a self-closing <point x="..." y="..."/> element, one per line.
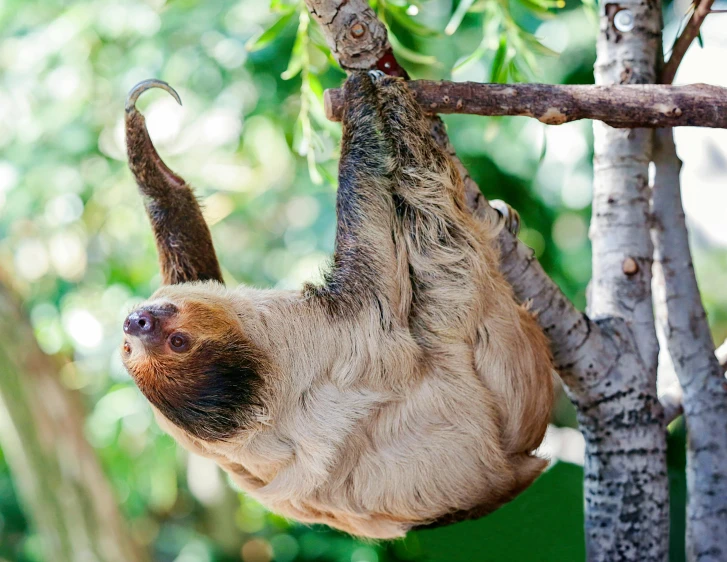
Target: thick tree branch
<point x="358" y="40"/>
<point x="628" y="106"/>
<point x="580" y="353"/>
<point x="626" y="460"/>
<point x="691" y="31"/>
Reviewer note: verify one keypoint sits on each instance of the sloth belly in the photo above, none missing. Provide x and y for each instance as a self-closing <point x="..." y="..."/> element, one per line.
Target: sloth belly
<point x="432" y="451"/>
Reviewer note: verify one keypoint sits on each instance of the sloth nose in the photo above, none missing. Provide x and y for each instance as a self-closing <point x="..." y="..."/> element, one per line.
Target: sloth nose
<point x="141" y="323"/>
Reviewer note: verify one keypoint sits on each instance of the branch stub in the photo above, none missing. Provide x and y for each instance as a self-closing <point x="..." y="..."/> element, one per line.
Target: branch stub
<point x="358" y="30"/>
<point x="630" y="267"/>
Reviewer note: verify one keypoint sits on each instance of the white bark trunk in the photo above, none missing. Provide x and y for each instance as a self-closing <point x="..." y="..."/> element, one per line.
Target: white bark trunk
<point x="689" y="341"/>
<point x="628" y="517"/>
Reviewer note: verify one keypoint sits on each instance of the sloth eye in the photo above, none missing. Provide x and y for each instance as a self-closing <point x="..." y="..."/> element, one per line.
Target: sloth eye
<point x="178" y="342"/>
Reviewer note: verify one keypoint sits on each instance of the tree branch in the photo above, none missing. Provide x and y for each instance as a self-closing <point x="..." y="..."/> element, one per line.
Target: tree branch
<point x="683" y="320"/>
<point x="629" y="106"/>
<point x="691" y="31"/>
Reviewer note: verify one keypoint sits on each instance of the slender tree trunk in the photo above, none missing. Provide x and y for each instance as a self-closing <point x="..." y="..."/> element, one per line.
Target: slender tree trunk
<point x="628" y="513"/>
<point x="689" y="341"/>
<point x="620" y="295"/>
<point x="683" y="322"/>
<point x="55" y="470"/>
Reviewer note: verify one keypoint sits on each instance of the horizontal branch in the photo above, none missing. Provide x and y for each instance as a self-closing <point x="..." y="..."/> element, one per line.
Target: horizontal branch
<point x="632" y="106"/>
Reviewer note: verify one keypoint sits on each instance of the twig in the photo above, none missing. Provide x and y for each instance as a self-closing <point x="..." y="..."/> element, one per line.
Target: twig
<point x="647" y="106"/>
<point x="691" y="31"/>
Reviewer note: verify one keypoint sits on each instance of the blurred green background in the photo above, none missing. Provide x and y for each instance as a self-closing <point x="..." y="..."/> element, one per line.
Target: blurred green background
<point x="76" y="245"/>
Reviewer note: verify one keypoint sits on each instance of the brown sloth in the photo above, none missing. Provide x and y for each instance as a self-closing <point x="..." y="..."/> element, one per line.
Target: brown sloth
<point x="408" y="389"/>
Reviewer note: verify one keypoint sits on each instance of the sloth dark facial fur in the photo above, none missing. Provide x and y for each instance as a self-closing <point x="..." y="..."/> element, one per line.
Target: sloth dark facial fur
<point x="408" y="389"/>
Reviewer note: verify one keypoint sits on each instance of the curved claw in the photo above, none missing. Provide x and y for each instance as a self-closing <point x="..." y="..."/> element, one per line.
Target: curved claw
<point x="186" y="252"/>
<point x="510" y="217"/>
<point x="145" y="85"/>
<point x="376" y="75"/>
<point x="151" y="173"/>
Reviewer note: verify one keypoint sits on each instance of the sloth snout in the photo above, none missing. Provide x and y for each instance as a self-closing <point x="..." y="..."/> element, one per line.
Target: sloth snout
<point x="141" y="323"/>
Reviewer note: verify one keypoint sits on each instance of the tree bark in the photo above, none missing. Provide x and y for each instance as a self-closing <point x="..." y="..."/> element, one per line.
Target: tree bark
<point x="627" y="106"/>
<point x="683" y="322"/>
<point x="629" y="467"/>
<point x="692" y="351"/>
<point x="55" y="470"/>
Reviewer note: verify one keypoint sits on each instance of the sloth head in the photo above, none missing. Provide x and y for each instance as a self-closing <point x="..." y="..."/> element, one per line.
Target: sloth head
<point x="189" y="354"/>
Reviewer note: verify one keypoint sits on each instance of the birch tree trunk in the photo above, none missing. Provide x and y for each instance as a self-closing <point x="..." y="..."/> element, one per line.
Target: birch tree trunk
<point x="628" y="518"/>
<point x="55" y="470"/>
<point x="683" y="322"/>
<point x="692" y="351"/>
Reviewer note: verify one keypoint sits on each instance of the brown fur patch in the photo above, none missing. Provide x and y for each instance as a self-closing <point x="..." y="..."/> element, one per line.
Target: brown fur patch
<point x="210" y="390"/>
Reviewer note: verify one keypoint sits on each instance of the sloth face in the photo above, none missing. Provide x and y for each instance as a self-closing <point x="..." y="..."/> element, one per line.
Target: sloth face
<point x="188" y="354"/>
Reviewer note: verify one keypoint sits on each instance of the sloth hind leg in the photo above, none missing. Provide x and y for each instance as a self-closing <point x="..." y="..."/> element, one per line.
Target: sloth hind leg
<point x="370" y="264"/>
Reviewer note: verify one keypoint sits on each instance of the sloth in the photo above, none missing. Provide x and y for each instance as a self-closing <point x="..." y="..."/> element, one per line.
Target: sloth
<point x="406" y="390"/>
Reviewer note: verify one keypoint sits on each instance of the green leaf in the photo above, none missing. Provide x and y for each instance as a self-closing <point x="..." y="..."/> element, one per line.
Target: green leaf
<point x="498" y="70"/>
<point x="406" y="21"/>
<point x="270" y="34"/>
<point x="479" y="6"/>
<point x="458" y="16"/>
<point x="409" y="54"/>
<point x="543" y="7"/>
<point x="700" y="40"/>
<point x="315" y="86"/>
<point x="295" y="65"/>
<point x="281" y="6"/>
<point x="476" y="55"/>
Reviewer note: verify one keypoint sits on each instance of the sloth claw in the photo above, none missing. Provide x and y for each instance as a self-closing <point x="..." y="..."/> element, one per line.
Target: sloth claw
<point x="376" y="75"/>
<point x="145" y="85"/>
<point x="510" y="217"/>
<point x="152" y="175"/>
